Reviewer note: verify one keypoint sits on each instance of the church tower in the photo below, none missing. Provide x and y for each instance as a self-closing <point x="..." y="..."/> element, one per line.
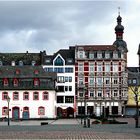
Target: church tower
<point x="119" y="30"/>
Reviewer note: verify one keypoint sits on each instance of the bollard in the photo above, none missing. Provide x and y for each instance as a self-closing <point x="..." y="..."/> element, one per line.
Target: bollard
<point x="88" y="122"/>
<point x="85" y="125"/>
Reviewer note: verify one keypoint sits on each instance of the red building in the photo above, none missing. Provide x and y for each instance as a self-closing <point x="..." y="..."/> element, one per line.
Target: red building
<point x="101" y="77"/>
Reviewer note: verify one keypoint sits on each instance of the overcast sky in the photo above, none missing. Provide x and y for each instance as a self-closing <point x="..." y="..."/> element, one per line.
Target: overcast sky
<point x="36" y="26"/>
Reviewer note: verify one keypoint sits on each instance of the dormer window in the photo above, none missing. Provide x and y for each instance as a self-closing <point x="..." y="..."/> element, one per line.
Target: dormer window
<point x="91" y="55"/>
<point x="107" y="55"/>
<point x="47" y="60"/>
<point x="20" y="63"/>
<point x="69" y="60"/>
<point x="115" y="55"/>
<point x="15" y="82"/>
<point x="5" y="82"/>
<point x="81" y="54"/>
<point x="33" y="63"/>
<point x="99" y="55"/>
<point x="36" y="72"/>
<point x="13" y="63"/>
<point x="58" y="61"/>
<point x="17" y="71"/>
<point x="36" y="82"/>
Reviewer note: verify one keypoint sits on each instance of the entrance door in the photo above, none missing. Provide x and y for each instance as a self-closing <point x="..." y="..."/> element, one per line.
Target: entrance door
<point x="15" y="113"/>
<point x="26" y="115"/>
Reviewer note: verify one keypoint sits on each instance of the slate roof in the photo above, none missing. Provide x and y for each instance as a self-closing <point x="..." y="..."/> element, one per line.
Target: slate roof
<point x="133" y="73"/>
<point x="25" y="76"/>
<point x="65" y="53"/>
<point x="26" y="58"/>
<point x="97" y="47"/>
<point x="25" y="72"/>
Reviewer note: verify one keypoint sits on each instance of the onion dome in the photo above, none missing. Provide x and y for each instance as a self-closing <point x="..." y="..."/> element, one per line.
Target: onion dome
<point x="120" y="43"/>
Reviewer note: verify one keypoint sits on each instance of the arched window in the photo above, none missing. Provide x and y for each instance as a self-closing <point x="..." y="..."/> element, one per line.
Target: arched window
<point x="41" y="110"/>
<point x="20" y="63"/>
<point x="15" y="82"/>
<point x="5" y="82"/>
<point x="33" y="63"/>
<point x="58" y="61"/>
<point x="13" y="63"/>
<point x="4" y="110"/>
<point x="26" y="109"/>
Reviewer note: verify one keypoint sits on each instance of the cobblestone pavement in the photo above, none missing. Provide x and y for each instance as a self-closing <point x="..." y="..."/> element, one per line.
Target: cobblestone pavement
<point x="66" y="129"/>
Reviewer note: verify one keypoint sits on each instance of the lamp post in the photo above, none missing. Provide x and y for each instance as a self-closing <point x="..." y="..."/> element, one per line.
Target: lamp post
<point x="8" y="101"/>
<point x="85" y="106"/>
<point x="81" y="110"/>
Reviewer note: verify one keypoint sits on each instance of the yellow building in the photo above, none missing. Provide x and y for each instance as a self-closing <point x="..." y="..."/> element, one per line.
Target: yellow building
<point x="133" y="90"/>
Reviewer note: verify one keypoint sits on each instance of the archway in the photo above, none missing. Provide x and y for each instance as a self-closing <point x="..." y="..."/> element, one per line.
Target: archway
<point x="15" y="113"/>
<point x="70" y="112"/>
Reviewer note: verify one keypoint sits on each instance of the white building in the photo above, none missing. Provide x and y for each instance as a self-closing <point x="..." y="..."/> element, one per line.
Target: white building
<point x="62" y="62"/>
<point x="31" y="92"/>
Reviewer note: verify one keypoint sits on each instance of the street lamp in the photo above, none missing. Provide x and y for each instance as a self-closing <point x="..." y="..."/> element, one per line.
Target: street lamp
<point x="81" y="110"/>
<point x="8" y="101"/>
<point x="85" y="125"/>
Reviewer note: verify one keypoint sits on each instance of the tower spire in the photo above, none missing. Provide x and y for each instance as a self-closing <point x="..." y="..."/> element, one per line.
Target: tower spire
<point x="119" y="33"/>
<point x="119" y="9"/>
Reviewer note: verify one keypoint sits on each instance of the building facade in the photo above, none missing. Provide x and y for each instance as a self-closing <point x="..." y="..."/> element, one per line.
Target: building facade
<point x="133" y="91"/>
<point x="101" y="76"/>
<point x="31" y="91"/>
<point x="62" y="62"/>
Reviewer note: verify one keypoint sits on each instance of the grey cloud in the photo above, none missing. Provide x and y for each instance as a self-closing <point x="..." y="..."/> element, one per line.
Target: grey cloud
<point x="56" y="24"/>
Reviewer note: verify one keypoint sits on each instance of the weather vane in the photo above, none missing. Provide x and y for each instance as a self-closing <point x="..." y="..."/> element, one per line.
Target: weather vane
<point x="119" y="10"/>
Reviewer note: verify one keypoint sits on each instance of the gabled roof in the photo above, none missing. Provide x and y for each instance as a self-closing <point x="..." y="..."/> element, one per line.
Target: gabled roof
<point x="65" y="53"/>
